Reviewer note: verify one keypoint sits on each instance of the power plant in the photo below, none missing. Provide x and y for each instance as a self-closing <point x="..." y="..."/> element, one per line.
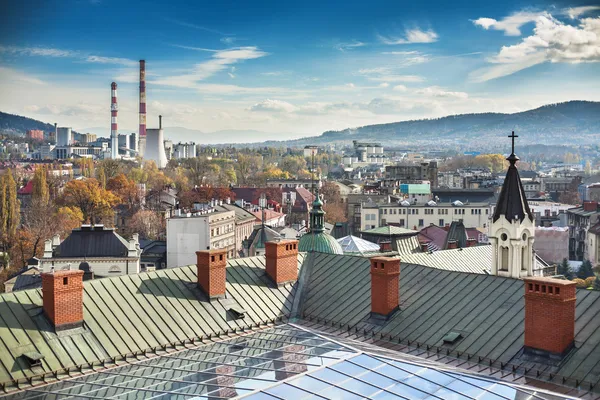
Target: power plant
<point x="142" y="135"/>
<point x="114" y="108"/>
<point x="155" y="148"/>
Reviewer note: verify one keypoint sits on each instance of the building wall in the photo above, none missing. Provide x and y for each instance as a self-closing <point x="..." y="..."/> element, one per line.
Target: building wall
<point x="552" y="244"/>
<point x="243" y="230"/>
<point x="473" y="216"/>
<point x="102" y="267"/>
<point x="187" y="235"/>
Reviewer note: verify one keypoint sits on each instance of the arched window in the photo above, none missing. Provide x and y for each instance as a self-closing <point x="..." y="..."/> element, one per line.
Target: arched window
<point x="114" y="269"/>
<point x="504" y="258"/>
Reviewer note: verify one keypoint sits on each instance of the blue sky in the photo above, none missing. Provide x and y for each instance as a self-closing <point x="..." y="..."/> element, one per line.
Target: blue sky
<point x="293" y="69"/>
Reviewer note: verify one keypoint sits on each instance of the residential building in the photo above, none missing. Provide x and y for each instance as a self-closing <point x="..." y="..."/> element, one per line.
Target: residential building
<point x="154" y="255"/>
<point x="417" y="216"/>
<point x="271" y="218"/>
<point x="354" y="202"/>
<point x="309" y="151"/>
<point x="580" y="220"/>
<point x="93" y="248"/>
<point x="35" y="134"/>
<point x="552" y="243"/>
<point x="407" y="173"/>
<point x="188" y="232"/>
<point x="244" y="223"/>
<point x="293" y="183"/>
<point x="394" y="238"/>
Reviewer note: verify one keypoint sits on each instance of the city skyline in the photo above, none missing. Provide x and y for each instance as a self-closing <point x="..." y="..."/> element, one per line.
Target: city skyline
<point x="293" y="70"/>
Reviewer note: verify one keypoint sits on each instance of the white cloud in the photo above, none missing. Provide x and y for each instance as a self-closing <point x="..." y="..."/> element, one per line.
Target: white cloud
<point x="344" y="46"/>
<point x="37" y="51"/>
<point x="551" y="41"/>
<point x="575" y="12"/>
<point x="415" y="35"/>
<point x="436" y="91"/>
<point x="112" y="60"/>
<point x="387" y="74"/>
<point x="11" y="75"/>
<point x="273" y="106"/>
<point x="511" y="25"/>
<point x="220" y="60"/>
<point x="400" y="88"/>
<point x="384" y="85"/>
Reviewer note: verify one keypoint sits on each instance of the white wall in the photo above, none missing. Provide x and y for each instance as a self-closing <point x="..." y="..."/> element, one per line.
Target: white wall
<point x="186" y="236"/>
<point x="102" y="267"/>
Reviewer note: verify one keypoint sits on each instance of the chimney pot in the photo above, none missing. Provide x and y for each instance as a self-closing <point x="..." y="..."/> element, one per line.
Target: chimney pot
<point x="385" y="282"/>
<point x="471" y="242"/>
<point x="452" y="244"/>
<point x="62" y="297"/>
<point x="424" y="247"/>
<point x="282" y="261"/>
<point x="212" y="275"/>
<point x="549" y="315"/>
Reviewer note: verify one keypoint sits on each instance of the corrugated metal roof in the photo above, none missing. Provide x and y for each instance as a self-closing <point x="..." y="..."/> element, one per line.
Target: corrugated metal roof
<point x="487" y="310"/>
<point x="408" y="245"/>
<point x="476" y="259"/>
<point x="92" y="242"/>
<point x="390" y="230"/>
<point x="133" y="313"/>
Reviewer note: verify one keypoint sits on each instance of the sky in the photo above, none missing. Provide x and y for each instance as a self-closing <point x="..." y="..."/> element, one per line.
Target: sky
<point x="292" y="69"/>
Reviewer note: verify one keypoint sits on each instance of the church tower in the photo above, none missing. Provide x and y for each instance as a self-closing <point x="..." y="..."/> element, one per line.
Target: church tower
<point x="513" y="227"/>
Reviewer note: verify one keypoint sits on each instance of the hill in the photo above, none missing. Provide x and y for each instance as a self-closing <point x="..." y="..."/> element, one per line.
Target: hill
<point x="16" y="125"/>
<point x="551" y="124"/>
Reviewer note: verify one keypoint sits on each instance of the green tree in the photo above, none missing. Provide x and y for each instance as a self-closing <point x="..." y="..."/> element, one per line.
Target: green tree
<point x="40" y="193"/>
<point x="9" y="207"/>
<point x="585" y="270"/>
<point x="565" y="269"/>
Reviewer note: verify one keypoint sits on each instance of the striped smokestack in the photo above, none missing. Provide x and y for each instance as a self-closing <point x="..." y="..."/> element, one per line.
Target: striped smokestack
<point x="142" y="135"/>
<point x="114" y="151"/>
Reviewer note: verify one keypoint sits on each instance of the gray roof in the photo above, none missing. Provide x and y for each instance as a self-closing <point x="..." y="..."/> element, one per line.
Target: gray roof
<point x="136" y="313"/>
<point x="92" y="242"/>
<point x="408" y="245"/>
<point x="241" y="215"/>
<point x="487" y="310"/>
<point x="353" y="244"/>
<point x="26" y="279"/>
<point x="476" y="259"/>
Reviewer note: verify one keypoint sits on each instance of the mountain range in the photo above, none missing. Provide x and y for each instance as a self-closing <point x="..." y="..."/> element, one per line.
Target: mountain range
<point x="572" y="122"/>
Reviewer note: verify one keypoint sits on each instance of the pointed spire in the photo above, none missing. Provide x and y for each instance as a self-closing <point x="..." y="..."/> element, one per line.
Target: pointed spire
<point x="512" y="203"/>
<point x="317" y="215"/>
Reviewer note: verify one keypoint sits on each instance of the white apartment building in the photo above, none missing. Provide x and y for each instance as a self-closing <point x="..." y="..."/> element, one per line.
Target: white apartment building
<point x="188" y="233"/>
<point x="417" y="216"/>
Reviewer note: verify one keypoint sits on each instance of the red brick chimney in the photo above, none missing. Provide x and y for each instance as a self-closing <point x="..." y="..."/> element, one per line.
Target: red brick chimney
<point x="282" y="261"/>
<point x="549" y="315"/>
<point x="452" y="244"/>
<point x="385" y="280"/>
<point x="385" y="246"/>
<point x="590" y="205"/>
<point x="62" y="296"/>
<point x="212" y="274"/>
<point x="424" y="247"/>
<point x="471" y="242"/>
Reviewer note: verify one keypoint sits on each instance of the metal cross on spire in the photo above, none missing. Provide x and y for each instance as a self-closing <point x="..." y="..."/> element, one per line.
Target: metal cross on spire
<point x="513" y="136"/>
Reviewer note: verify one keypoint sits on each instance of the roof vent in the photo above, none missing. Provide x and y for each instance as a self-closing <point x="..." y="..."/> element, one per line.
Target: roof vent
<point x="452" y="337"/>
<point x="237" y="312"/>
<point x="33" y="358"/>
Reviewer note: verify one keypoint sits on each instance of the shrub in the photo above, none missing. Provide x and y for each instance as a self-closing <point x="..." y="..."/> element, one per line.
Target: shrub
<point x="565" y="269"/>
<point x="580" y="283"/>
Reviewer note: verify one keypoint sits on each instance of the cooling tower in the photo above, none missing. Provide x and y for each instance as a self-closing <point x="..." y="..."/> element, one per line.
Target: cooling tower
<point x="64" y="136"/>
<point x="155" y="149"/>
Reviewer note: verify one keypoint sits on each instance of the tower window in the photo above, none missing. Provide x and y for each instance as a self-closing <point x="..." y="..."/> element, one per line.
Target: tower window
<point x="503" y="237"/>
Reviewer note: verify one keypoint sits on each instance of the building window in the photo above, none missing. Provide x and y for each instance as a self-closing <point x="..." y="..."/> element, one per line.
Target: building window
<point x="441" y="222"/>
<point x="114" y="269"/>
<point x="385" y="210"/>
<point x="421" y="222"/>
<point x="402" y="222"/>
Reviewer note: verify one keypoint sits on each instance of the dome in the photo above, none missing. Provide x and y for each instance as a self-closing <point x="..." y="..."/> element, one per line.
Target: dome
<point x="320" y="242"/>
<point x="405" y="203"/>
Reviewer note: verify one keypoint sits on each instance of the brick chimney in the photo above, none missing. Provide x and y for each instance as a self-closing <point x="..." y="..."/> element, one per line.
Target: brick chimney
<point x="385" y="280"/>
<point x="424" y="247"/>
<point x="471" y="242"/>
<point x="282" y="261"/>
<point x="590" y="205"/>
<point x="452" y="244"/>
<point x="212" y="274"/>
<point x="385" y="246"/>
<point x="549" y="315"/>
<point x="62" y="296"/>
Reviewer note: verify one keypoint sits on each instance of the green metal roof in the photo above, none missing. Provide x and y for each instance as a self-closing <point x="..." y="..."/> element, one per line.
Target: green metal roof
<point x="390" y="230"/>
<point x="320" y="242"/>
<point x="134" y="313"/>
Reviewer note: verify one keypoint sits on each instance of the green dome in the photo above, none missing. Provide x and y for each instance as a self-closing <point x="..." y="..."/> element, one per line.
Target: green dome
<point x="320" y="242"/>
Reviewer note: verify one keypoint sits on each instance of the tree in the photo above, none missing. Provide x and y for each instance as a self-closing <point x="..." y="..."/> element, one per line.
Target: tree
<point x="585" y="270"/>
<point x="68" y="218"/>
<point x="110" y="167"/>
<point x="334" y="206"/>
<point x="40" y="194"/>
<point x="564" y="269"/>
<point x="95" y="203"/>
<point x="203" y="194"/>
<point x="125" y="189"/>
<point x="292" y="164"/>
<point x="101" y="178"/>
<point x="149" y="224"/>
<point x="9" y="207"/>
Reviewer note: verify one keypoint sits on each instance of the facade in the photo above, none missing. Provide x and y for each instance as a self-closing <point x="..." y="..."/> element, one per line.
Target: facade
<point x="102" y="250"/>
<point x="35" y="134"/>
<point x="88" y="138"/>
<point x="580" y="220"/>
<point x="407" y="173"/>
<point x="64" y="136"/>
<point x="244" y="223"/>
<point x="417" y="216"/>
<point x="309" y="151"/>
<point x="293" y="183"/>
<point x="184" y="150"/>
<point x="201" y="230"/>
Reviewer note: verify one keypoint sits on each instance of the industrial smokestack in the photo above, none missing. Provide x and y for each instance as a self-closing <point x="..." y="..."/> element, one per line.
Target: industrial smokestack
<point x="160" y="122"/>
<point x="55" y="131"/>
<point x="114" y="150"/>
<point x="142" y="107"/>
